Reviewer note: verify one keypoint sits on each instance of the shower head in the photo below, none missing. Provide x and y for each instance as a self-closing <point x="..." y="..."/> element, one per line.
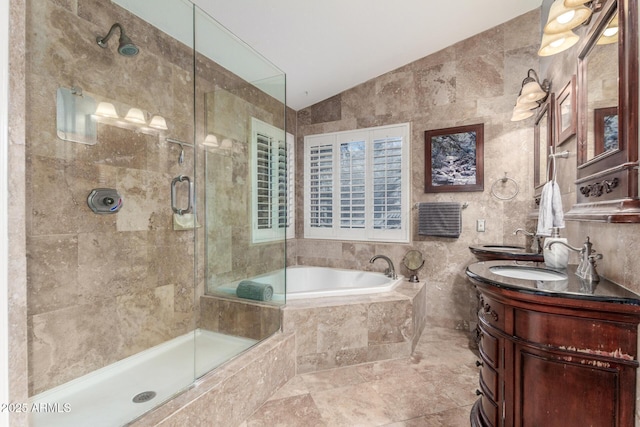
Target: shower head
<point x="125" y="46"/>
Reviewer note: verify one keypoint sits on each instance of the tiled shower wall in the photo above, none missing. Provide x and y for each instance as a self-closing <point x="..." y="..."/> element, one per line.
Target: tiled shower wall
<point x="103" y="287"/>
<point x="473" y="81"/>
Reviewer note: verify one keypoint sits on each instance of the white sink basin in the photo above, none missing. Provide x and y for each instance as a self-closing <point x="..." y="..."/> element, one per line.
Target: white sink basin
<point x="527" y="273"/>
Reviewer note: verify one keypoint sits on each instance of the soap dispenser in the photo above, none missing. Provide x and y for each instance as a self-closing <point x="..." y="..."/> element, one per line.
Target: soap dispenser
<point x="556" y="256"/>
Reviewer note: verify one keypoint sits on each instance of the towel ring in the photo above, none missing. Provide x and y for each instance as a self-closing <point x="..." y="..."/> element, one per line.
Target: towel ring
<point x="504" y="180"/>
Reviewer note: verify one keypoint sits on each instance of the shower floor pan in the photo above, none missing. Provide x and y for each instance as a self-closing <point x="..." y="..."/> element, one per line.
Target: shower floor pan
<point x="118" y="393"/>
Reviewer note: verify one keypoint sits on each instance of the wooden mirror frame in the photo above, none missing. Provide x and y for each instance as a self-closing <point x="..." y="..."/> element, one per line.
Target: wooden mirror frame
<point x="607" y="185"/>
<point x="565" y="130"/>
<point x="547" y="108"/>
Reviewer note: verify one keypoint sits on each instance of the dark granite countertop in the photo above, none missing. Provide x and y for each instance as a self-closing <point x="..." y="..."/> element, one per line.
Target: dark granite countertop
<point x="506" y="252"/>
<point x="572" y="287"/>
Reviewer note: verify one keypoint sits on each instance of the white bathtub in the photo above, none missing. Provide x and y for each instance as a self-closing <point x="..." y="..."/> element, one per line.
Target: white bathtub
<point x="315" y="282"/>
<point x="103" y="398"/>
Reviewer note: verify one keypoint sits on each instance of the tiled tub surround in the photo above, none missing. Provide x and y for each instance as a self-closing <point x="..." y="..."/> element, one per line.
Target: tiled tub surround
<point x="231" y="393"/>
<point x="234" y="316"/>
<point x="341" y="331"/>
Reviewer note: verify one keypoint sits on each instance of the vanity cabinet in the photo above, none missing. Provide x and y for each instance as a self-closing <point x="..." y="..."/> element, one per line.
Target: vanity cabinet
<point x="554" y="359"/>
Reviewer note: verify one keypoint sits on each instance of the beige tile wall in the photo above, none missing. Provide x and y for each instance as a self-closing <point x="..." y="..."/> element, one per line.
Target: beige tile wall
<point x="103" y="287"/>
<point x="474" y="81"/>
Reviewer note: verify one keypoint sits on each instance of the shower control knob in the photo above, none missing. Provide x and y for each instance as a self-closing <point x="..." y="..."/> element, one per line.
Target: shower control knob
<point x="104" y="200"/>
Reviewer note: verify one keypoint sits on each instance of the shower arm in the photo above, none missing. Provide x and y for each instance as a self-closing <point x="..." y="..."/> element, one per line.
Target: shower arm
<point x="102" y="41"/>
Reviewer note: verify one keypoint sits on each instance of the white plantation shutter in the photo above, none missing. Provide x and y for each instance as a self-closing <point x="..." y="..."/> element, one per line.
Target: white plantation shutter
<point x="352" y="184"/>
<point x="264" y="176"/>
<point x="272" y="182"/>
<point x="287" y="192"/>
<point x="320" y="185"/>
<point x="387" y="183"/>
<point x="357" y="184"/>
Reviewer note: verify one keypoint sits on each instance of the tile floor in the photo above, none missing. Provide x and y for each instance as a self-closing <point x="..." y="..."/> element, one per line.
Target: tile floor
<point x="435" y="387"/>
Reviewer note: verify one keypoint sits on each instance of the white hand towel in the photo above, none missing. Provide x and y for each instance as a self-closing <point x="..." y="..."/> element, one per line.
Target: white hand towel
<point x="550" y="214"/>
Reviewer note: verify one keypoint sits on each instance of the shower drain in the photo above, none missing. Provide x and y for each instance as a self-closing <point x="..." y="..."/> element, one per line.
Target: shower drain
<point x="145" y="396"/>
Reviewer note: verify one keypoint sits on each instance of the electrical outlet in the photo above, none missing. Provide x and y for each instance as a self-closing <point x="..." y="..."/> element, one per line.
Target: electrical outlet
<point x="480" y="225"/>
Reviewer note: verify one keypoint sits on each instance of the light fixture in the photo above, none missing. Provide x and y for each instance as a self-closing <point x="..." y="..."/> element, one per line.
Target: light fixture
<point x="211" y="141"/>
<point x="158" y="122"/>
<point x="532" y="90"/>
<point x="556" y="43"/>
<point x="532" y="94"/>
<point x="563" y="18"/>
<point x="135" y="115"/>
<point x="106" y="109"/>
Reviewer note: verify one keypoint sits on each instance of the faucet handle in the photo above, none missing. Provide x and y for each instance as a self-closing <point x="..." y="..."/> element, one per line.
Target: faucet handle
<point x="593" y="258"/>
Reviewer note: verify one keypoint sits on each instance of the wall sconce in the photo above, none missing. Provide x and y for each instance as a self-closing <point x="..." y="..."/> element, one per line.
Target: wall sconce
<point x="106" y="109"/>
<point x="211" y="141"/>
<point x="158" y="122"/>
<point x="564" y="16"/>
<point x="532" y="94"/>
<point x="135" y="115"/>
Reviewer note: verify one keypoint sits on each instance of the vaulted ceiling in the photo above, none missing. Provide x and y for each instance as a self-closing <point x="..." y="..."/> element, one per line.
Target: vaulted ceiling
<point x="328" y="46"/>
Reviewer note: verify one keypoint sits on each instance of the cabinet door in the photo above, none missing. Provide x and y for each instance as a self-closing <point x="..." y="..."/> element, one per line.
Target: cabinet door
<point x="566" y="390"/>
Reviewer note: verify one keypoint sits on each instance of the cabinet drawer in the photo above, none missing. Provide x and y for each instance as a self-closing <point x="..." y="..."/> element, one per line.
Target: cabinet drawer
<point x="492" y="312"/>
<point x="489" y="410"/>
<point x="489" y="347"/>
<point x="489" y="381"/>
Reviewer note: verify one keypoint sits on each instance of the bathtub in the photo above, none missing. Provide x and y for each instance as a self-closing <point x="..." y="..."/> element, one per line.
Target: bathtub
<point x="316" y="282"/>
<point x="104" y="398"/>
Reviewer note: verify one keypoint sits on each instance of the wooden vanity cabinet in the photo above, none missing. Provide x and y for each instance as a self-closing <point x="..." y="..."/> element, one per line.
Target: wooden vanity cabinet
<point x="555" y="361"/>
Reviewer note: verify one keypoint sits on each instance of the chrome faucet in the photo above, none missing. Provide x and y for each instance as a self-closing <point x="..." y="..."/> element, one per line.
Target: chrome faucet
<point x="536" y="245"/>
<point x="587" y="268"/>
<point x="390" y="271"/>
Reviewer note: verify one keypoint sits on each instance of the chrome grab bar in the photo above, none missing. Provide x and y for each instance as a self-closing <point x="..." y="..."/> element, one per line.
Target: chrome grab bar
<point x="176" y="180"/>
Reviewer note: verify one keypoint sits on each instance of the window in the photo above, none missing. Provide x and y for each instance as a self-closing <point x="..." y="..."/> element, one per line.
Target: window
<point x="357" y="184"/>
<point x="273" y="179"/>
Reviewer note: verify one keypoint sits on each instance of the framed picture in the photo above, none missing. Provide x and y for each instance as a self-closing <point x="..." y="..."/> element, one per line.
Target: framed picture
<point x="566" y="112"/>
<point x="605" y="129"/>
<point x="454" y="159"/>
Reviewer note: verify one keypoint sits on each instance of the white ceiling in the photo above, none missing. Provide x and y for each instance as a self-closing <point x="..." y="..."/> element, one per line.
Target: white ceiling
<point x="328" y="46"/>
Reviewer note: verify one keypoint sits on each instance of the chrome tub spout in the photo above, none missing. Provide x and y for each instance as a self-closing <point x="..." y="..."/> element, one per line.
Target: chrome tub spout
<point x="390" y="271"/>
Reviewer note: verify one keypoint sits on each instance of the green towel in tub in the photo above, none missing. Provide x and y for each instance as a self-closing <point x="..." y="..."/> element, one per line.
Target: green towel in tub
<point x="254" y="290"/>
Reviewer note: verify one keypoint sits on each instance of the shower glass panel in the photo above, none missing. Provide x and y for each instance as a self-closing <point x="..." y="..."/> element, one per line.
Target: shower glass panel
<point x="240" y="126"/>
<point x="144" y="214"/>
<point x="111" y="288"/>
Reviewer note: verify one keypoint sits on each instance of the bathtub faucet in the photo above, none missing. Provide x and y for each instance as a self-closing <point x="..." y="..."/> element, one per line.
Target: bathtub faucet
<point x="390" y="272"/>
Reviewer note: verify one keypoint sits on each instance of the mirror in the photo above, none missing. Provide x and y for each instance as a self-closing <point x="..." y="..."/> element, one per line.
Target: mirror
<point x="607" y="132"/>
<point x="413" y="261"/>
<point x="542" y="139"/>
<point x="600" y="79"/>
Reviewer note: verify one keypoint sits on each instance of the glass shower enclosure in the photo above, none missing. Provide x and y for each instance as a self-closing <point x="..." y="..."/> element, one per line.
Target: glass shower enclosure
<point x="151" y="210"/>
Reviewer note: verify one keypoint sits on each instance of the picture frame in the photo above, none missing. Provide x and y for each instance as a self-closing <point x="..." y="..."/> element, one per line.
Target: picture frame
<point x="605" y="130"/>
<point x="454" y="159"/>
<point x="566" y="112"/>
<point x="543" y="133"/>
